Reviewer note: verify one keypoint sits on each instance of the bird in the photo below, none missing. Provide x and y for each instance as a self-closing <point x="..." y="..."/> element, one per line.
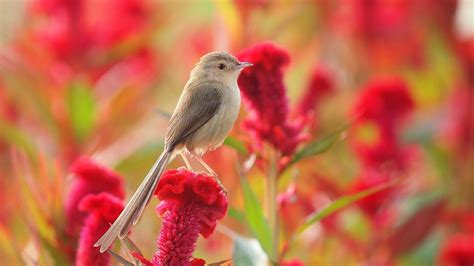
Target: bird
<point x="205" y="113"/>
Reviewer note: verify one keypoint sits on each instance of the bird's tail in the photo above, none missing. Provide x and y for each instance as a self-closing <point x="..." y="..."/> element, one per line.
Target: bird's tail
<point x="134" y="209"/>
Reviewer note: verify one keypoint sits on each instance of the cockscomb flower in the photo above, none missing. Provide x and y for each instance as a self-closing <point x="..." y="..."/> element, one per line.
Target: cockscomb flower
<point x="264" y="93"/>
<point x="385" y="101"/>
<point x="89" y="178"/>
<point x="379" y="112"/>
<point x="72" y="29"/>
<point x="191" y="204"/>
<point x="321" y="84"/>
<point x="458" y="250"/>
<point x="102" y="210"/>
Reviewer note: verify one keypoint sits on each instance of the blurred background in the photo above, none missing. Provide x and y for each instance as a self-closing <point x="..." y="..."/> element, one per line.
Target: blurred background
<point x="97" y="78"/>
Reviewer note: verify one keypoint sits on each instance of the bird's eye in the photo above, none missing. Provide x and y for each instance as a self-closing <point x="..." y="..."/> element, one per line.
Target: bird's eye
<point x="221" y="66"/>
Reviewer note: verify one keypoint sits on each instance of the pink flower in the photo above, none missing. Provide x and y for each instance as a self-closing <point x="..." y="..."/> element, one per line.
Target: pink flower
<point x="190" y="205"/>
<point x="102" y="210"/>
<point x="458" y="250"/>
<point x="89" y="178"/>
<point x="264" y="93"/>
<point x="320" y="85"/>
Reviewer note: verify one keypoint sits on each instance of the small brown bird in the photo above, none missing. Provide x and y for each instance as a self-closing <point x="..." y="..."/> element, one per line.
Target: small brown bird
<point x="204" y="115"/>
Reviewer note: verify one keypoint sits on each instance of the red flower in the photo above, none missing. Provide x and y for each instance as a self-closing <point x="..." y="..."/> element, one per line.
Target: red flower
<point x="89" y="178"/>
<point x="379" y="112"/>
<point x="264" y="94"/>
<point x="76" y="36"/>
<point x="320" y="85"/>
<point x="72" y="29"/>
<point x="458" y="250"/>
<point x="190" y="205"/>
<point x="386" y="30"/>
<point x="385" y="101"/>
<point x="102" y="210"/>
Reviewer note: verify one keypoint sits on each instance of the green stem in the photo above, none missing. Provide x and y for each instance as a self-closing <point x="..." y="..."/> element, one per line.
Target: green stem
<point x="272" y="185"/>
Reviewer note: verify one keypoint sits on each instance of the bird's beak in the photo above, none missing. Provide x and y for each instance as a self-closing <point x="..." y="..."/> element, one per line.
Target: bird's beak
<point x="244" y="64"/>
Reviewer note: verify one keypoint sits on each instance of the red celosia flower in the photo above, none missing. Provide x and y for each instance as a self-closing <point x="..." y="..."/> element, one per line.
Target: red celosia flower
<point x="89" y="178"/>
<point x="190" y="205"/>
<point x="72" y="29"/>
<point x="102" y="210"/>
<point x="385" y="101"/>
<point x="321" y="84"/>
<point x="386" y="30"/>
<point x="458" y="250"/>
<point x="379" y="112"/>
<point x="264" y="93"/>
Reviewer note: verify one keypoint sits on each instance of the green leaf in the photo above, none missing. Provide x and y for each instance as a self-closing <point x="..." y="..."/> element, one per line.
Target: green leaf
<point x="235" y="144"/>
<point x="255" y="218"/>
<point x="56" y="254"/>
<point x="339" y="204"/>
<point x="318" y="146"/>
<point x="82" y="109"/>
<point x="16" y="137"/>
<point x="247" y="251"/>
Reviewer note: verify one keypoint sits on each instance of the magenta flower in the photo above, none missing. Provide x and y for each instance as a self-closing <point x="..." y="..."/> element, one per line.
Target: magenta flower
<point x="102" y="210"/>
<point x="191" y="204"/>
<point x="89" y="178"/>
<point x="264" y="93"/>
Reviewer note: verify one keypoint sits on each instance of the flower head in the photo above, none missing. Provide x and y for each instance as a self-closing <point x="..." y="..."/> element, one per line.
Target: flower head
<point x="385" y="101"/>
<point x="191" y="204"/>
<point x="264" y="93"/>
<point x="379" y="112"/>
<point x="89" y="178"/>
<point x="76" y="28"/>
<point x="102" y="210"/>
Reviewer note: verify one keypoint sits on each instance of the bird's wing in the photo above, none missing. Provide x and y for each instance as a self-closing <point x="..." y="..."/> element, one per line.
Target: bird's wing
<point x="198" y="106"/>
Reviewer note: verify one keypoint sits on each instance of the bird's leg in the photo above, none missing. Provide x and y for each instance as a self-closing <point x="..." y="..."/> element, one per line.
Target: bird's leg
<point x="183" y="155"/>
<point x="211" y="171"/>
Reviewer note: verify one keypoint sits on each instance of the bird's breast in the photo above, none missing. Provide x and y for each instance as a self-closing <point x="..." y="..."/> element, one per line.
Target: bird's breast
<point x="214" y="132"/>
